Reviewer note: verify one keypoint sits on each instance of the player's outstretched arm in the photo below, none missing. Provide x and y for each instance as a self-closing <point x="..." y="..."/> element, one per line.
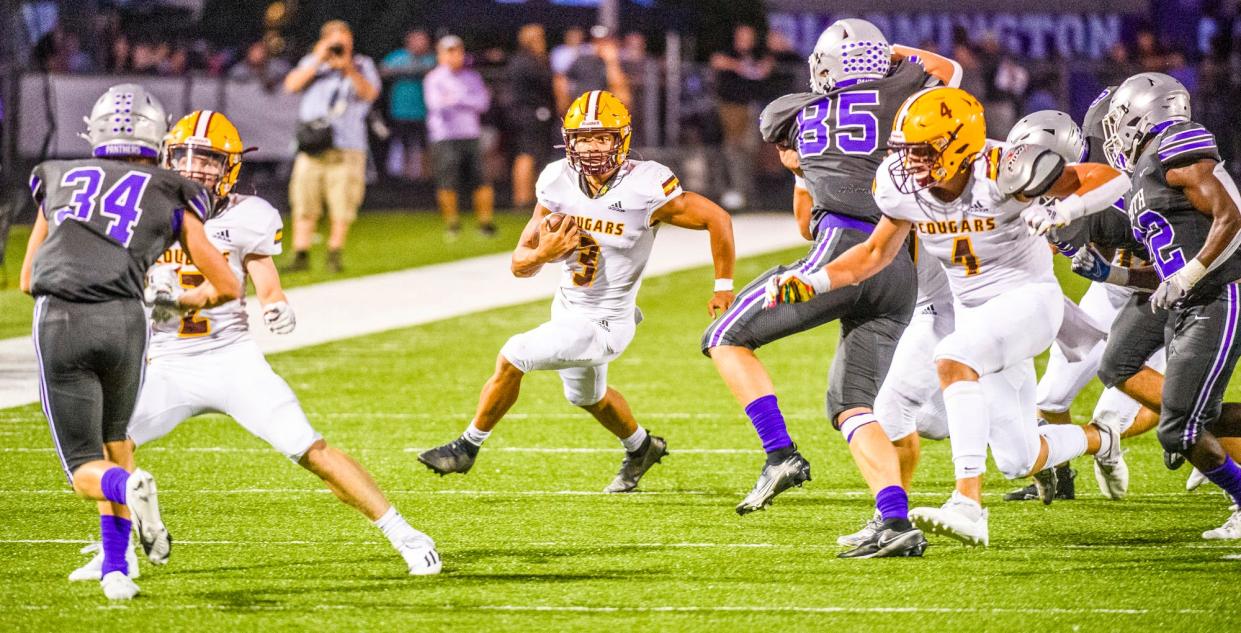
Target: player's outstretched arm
<point x="537" y="245"/>
<point x="803" y="209"/>
<point x="37" y="235"/>
<point x="945" y="69"/>
<point x="221" y="286"/>
<point x="693" y="211"/>
<point x="854" y="266"/>
<point x="277" y="313"/>
<point x="1080" y="190"/>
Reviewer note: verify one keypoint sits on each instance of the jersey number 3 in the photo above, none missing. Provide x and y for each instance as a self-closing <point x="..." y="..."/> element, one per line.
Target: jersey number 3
<point x="857" y="127"/>
<point x="588" y="258"/>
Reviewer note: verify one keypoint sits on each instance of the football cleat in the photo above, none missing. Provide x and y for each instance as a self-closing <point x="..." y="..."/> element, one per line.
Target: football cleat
<point x="1045" y="485"/>
<point x="1230" y="530"/>
<point x="1110" y="470"/>
<point x="863" y="535"/>
<point x="1173" y="461"/>
<point x="419" y="553"/>
<point x="140" y="497"/>
<point x="637" y="463"/>
<point x="1066" y="488"/>
<point x="117" y="586"/>
<point x="456" y="456"/>
<point x="890" y="543"/>
<point x="960" y="518"/>
<point x="1196" y="479"/>
<point x="94" y="567"/>
<point x="794" y="470"/>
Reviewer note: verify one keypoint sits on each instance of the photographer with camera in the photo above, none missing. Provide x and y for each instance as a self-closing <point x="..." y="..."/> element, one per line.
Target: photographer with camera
<point x="338" y="88"/>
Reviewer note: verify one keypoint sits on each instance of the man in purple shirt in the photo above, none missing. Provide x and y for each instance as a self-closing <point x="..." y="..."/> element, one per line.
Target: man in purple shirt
<point x="456" y="98"/>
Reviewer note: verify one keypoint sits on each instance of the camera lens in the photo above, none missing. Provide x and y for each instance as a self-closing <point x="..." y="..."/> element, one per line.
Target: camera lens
<point x="336" y="49"/>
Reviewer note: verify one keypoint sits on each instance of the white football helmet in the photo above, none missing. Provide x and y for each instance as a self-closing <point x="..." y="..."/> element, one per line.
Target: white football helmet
<point x="1054" y="130"/>
<point x="849" y="51"/>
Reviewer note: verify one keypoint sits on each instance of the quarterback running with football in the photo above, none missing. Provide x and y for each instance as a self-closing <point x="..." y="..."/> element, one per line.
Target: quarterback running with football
<point x="942" y="181"/>
<point x="599" y="209"/>
<point x="203" y="361"/>
<point x="832" y="137"/>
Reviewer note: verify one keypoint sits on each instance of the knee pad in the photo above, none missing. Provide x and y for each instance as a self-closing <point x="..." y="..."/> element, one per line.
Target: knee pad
<point x="1011" y="466"/>
<point x="580" y="399"/>
<point x="896" y="414"/>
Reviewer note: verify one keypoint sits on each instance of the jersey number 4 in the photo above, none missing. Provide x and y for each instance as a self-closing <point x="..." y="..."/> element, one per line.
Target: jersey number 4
<point x="963" y="254"/>
<point x="122" y="202"/>
<point x="857" y="127"/>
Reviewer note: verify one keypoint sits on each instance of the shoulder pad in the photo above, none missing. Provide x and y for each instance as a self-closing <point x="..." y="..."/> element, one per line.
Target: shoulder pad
<point x="1029" y="170"/>
<point x="1186" y="142"/>
<point x="778" y="118"/>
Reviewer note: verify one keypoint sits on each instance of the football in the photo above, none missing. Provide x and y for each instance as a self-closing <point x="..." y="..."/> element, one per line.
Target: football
<point x="553" y="222"/>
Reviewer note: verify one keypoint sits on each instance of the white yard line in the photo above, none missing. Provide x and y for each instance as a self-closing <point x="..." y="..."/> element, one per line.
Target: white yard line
<point x="338" y="310"/>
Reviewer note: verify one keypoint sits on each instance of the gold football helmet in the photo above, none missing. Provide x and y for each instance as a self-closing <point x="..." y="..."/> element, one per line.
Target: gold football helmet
<point x="594" y="112"/>
<point x="938" y="132"/>
<point x="205" y="146"/>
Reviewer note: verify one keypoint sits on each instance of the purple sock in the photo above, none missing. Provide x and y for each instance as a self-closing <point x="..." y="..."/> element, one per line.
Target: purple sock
<point x="115" y="531"/>
<point x="765" y="415"/>
<point x="1228" y="477"/>
<point x="113" y="484"/>
<point x="892" y="503"/>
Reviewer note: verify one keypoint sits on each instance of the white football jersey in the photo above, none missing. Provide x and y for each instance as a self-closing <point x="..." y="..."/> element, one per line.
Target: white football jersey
<point x="247" y="225"/>
<point x="601" y="280"/>
<point x="979" y="239"/>
<point x="932" y="282"/>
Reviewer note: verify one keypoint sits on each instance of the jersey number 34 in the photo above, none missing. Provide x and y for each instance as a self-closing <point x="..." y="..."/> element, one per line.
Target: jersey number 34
<point x="851" y="114"/>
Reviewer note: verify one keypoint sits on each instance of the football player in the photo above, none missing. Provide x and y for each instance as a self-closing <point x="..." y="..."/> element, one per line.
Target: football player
<point x="836" y="133"/>
<point x="102" y="222"/>
<point x="941" y="180"/>
<point x="609" y="208"/>
<point x="1184" y="205"/>
<point x="204" y="361"/>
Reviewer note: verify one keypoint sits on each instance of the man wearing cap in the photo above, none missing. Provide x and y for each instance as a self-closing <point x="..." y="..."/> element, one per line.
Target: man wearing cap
<point x="456" y="98"/>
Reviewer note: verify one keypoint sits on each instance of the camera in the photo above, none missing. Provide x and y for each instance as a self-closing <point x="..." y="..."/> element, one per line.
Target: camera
<point x="336" y="50"/>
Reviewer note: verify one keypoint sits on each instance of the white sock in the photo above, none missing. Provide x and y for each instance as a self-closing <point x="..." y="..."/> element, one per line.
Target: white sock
<point x="394" y="526"/>
<point x="968" y="427"/>
<point x="1064" y="442"/>
<point x="634" y="442"/>
<point x="475" y="436"/>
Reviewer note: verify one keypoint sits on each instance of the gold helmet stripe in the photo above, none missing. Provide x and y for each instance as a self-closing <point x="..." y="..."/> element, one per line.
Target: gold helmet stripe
<point x="203" y="123"/>
<point x="592" y="105"/>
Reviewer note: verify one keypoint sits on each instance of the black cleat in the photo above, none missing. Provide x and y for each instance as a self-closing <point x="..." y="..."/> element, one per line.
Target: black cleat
<point x="637" y="463"/>
<point x="794" y="470"/>
<point x="1173" y="461"/>
<point x="1066" y="487"/>
<point x="1045" y="485"/>
<point x="456" y="456"/>
<point x="890" y="543"/>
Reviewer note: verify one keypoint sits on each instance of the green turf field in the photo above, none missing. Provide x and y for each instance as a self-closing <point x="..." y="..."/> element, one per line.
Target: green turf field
<point x="529" y="543"/>
<point x="379" y="242"/>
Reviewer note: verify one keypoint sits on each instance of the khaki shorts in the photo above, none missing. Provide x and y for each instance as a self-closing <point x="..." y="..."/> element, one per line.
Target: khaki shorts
<point x="337" y="178"/>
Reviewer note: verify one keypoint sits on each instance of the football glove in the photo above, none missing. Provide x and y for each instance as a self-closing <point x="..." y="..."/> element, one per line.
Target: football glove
<point x="795" y="286"/>
<point x="1040" y="219"/>
<point x="279" y="317"/>
<point x="1177" y="286"/>
<point x="161" y="293"/>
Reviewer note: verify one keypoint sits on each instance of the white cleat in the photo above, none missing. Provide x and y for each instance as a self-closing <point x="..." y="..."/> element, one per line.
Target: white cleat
<point x="864" y="535"/>
<point x="143" y="505"/>
<point x="117" y="586"/>
<point x="419" y="553"/>
<point x="94" y="567"/>
<point x="1196" y="479"/>
<point x="960" y="518"/>
<point x="1110" y="470"/>
<point x="1230" y="530"/>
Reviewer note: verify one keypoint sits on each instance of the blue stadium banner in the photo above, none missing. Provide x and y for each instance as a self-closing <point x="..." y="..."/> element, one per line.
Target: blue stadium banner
<point x="1035" y="35"/>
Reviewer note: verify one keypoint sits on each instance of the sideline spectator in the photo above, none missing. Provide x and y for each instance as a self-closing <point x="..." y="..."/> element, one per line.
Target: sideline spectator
<point x="788" y="74"/>
<point x="740" y="74"/>
<point x="259" y="65"/>
<point x="407" y="110"/>
<point x="530" y="80"/>
<point x="563" y="56"/>
<point x="339" y="87"/>
<point x="456" y="98"/>
<point x="597" y="67"/>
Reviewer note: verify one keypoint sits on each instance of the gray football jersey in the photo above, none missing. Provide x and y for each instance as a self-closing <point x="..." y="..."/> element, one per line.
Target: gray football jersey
<point x="1173" y="230"/>
<point x="108" y="221"/>
<point x="842" y="136"/>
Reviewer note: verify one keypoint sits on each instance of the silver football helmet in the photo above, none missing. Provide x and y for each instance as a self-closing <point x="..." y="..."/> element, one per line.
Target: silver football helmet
<point x="849" y="51"/>
<point x="126" y="121"/>
<point x="1054" y="130"/>
<point x="1141" y="103"/>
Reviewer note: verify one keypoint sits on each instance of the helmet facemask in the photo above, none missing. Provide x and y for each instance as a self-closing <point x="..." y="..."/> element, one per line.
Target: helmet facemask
<point x="599" y="159"/>
<point x="920" y="166"/>
<point x="209" y="167"/>
<point x="1118" y="138"/>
